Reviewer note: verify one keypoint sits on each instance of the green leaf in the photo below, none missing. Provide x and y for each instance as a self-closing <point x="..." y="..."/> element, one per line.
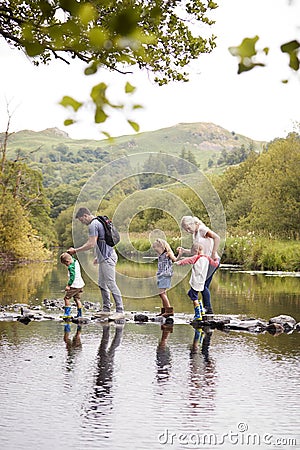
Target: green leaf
<point x="294" y="61"/>
<point x="212" y="5"/>
<point x="249" y="66"/>
<point x="125" y="22"/>
<point x="46" y="8"/>
<point x="100" y="115"/>
<point x="68" y="122"/>
<point x="137" y="107"/>
<point x="90" y="70"/>
<point x="70" y="102"/>
<point x="33" y="48"/>
<point x="27" y="32"/>
<point x="97" y="37"/>
<point x="292" y="48"/>
<point x="98" y="94"/>
<point x="87" y="13"/>
<point x="107" y="135"/>
<point x="245" y="49"/>
<point x="134" y="125"/>
<point x="69" y="5"/>
<point x="129" y="88"/>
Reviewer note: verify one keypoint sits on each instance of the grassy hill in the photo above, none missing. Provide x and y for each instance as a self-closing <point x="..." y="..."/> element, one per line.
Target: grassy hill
<point x="54" y="152"/>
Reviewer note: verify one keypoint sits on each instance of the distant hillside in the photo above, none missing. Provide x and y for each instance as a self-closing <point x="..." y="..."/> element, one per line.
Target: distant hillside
<point x="56" y="154"/>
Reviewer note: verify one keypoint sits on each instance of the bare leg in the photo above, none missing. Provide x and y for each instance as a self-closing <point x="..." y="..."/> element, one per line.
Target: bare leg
<point x="67" y="301"/>
<point x="78" y="303"/>
<point x="164" y="298"/>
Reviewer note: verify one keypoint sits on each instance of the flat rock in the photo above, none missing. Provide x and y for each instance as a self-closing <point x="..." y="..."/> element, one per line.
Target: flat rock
<point x="287" y="322"/>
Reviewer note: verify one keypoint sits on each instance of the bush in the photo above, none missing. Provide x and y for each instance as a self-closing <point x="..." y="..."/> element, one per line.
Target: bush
<point x="18" y="239"/>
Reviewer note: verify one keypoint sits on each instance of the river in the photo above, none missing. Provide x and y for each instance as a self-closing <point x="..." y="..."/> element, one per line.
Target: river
<point x="143" y="386"/>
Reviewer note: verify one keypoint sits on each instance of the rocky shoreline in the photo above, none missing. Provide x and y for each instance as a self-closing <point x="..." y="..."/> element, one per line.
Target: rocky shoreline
<point x="52" y="309"/>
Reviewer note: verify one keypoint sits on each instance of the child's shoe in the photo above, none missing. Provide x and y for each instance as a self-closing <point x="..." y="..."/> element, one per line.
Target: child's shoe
<point x="67" y="313"/>
<point x="198" y="315"/>
<point x="162" y="312"/>
<point x="169" y="311"/>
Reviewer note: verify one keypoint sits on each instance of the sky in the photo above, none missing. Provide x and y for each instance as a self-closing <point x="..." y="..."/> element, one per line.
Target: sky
<point x="256" y="104"/>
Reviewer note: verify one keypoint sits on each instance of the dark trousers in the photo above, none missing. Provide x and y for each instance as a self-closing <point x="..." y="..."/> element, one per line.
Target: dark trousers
<point x="206" y="292"/>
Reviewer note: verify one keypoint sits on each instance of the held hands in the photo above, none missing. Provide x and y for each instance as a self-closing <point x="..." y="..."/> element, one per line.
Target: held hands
<point x="180" y="251"/>
<point x="214" y="256"/>
<point x="67" y="288"/>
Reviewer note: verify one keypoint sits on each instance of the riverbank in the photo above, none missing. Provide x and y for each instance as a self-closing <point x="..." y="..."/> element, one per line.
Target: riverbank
<point x="7" y="260"/>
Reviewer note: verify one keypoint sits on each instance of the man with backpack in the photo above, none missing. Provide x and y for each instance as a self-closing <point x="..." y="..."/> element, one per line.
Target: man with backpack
<point x="101" y="231"/>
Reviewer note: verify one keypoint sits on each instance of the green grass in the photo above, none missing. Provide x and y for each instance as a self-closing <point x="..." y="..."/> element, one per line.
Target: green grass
<point x="261" y="253"/>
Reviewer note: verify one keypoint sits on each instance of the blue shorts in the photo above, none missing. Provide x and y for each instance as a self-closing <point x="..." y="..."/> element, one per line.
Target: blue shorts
<point x="193" y="294"/>
<point x="164" y="282"/>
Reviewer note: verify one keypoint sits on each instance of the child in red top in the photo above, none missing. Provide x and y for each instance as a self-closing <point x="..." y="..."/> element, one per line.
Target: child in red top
<point x="200" y="267"/>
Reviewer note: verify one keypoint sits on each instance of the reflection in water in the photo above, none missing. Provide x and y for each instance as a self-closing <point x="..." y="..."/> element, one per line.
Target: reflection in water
<point x="101" y="400"/>
<point x="163" y="354"/>
<point x="202" y="371"/>
<point x="19" y="284"/>
<point x="105" y="361"/>
<point x="73" y="345"/>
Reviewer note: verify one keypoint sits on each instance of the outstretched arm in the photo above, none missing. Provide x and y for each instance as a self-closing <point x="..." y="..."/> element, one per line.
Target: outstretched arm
<point x="182" y="250"/>
<point x="189" y="260"/>
<point x="90" y="243"/>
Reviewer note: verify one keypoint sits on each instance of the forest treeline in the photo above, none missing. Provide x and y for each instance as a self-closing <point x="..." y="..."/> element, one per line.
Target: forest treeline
<point x="261" y="197"/>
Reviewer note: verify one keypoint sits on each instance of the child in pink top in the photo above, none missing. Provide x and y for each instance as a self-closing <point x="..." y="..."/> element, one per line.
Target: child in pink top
<point x="200" y="267"/>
